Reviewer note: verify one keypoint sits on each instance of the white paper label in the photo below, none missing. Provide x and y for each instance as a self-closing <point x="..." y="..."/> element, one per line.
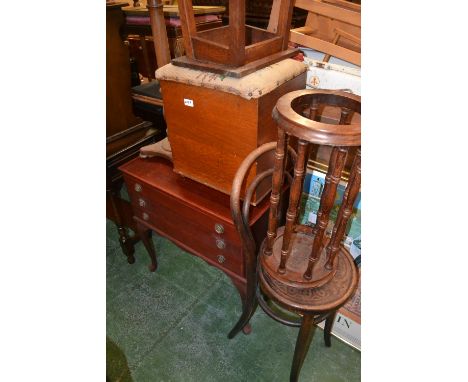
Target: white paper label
<point x="188" y="102"/>
<point x="312" y="217"/>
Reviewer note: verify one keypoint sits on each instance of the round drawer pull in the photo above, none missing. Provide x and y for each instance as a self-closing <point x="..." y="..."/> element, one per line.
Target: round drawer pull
<point x="220" y="243"/>
<point x="221" y="259"/>
<point x="219" y="228"/>
<point x="141" y="202"/>
<point x="145" y="216"/>
<point x="137" y="187"/>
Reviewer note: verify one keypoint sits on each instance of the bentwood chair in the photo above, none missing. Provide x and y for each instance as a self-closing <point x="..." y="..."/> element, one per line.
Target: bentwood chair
<point x="300" y="268"/>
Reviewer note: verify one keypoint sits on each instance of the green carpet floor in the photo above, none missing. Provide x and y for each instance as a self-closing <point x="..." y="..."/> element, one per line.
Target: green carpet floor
<point x="172" y="325"/>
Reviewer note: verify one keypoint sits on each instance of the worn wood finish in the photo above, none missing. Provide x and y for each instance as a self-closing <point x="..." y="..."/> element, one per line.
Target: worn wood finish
<point x="235" y="49"/>
<point x="209" y="140"/>
<point x="293" y="269"/>
<point x="193" y="216"/>
<point x="238" y="72"/>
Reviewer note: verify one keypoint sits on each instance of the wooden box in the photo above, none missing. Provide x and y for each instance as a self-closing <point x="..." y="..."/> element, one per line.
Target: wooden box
<point x="212" y="130"/>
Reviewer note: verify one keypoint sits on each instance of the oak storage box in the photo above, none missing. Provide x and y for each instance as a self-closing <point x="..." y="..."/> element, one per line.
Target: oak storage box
<point x="214" y="122"/>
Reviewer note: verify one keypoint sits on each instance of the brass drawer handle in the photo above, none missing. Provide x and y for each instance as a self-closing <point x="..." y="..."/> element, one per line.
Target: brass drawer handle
<point x="145" y="216"/>
<point x="220" y="243"/>
<point x="141" y="202"/>
<point x="137" y="187"/>
<point x="221" y="259"/>
<point x="219" y="228"/>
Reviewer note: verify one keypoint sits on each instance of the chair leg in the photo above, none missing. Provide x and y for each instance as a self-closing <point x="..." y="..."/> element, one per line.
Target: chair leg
<point x="145" y="236"/>
<point x="248" y="310"/>
<point x="249" y="303"/>
<point x="328" y="327"/>
<point x="302" y="346"/>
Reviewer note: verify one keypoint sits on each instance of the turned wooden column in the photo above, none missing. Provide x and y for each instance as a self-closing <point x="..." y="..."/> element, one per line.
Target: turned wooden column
<point x="297" y="114"/>
<point x="158" y="29"/>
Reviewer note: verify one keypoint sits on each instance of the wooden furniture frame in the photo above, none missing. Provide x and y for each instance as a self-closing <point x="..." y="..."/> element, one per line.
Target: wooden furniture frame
<point x="236" y="45"/>
<point x="332" y="27"/>
<point x="158" y="28"/>
<point x="125" y="132"/>
<point x="145" y="38"/>
<point x="300" y="268"/>
<point x="195" y="217"/>
<point x="118" y="209"/>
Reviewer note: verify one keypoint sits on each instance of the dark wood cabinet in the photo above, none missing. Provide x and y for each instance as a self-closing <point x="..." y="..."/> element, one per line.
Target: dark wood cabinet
<point x="125" y="132"/>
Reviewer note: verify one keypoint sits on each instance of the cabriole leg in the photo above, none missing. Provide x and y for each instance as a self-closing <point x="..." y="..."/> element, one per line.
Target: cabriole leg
<point x="145" y="236"/>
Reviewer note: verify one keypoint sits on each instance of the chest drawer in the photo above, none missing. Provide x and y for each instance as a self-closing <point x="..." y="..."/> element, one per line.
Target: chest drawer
<point x="199" y="231"/>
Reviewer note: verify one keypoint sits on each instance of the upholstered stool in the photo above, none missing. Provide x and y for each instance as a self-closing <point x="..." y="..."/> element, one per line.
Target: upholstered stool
<point x="299" y="268"/>
<point x="214" y="121"/>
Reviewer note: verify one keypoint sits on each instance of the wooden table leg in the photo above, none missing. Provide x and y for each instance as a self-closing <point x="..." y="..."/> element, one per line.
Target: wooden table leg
<point x="145" y="236"/>
<point x="126" y="242"/>
<point x="246" y="327"/>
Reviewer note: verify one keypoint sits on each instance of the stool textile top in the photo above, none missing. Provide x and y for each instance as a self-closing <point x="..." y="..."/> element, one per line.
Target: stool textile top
<point x="254" y="85"/>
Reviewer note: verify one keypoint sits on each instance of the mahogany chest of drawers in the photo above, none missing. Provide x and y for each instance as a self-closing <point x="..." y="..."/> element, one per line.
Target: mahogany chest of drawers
<point x="193" y="216"/>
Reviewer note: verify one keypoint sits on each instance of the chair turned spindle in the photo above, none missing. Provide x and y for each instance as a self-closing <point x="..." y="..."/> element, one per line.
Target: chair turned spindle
<point x="300" y="268"/>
